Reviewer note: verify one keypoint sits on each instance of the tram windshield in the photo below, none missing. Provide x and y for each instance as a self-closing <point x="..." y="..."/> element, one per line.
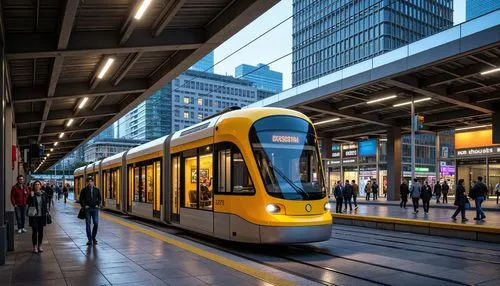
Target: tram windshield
<point x="287" y="155"/>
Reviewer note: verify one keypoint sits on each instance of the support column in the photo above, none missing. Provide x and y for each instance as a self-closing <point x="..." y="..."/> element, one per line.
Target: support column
<point x="9" y="181"/>
<point x="3" y="193"/>
<point x="438" y="158"/>
<point x="393" y="163"/>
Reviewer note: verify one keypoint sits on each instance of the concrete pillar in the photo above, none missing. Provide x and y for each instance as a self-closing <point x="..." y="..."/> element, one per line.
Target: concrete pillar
<point x="327" y="154"/>
<point x="3" y="228"/>
<point x="393" y="163"/>
<point x="438" y="158"/>
<point x="8" y="158"/>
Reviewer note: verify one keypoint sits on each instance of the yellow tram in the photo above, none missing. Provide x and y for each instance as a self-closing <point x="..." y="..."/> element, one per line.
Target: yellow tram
<point x="251" y="175"/>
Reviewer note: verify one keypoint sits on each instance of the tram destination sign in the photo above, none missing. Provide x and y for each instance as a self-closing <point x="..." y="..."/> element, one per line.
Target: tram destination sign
<point x="478" y="151"/>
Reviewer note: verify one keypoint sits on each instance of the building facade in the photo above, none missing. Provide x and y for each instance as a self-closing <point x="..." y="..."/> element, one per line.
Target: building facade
<point x="476" y="8"/>
<point x="333" y="34"/>
<point x="100" y="149"/>
<point x="206" y="64"/>
<point x="261" y="76"/>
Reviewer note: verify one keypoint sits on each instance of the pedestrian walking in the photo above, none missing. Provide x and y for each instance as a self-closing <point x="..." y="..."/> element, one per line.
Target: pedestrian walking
<point x="18" y="196"/>
<point x="355" y="193"/>
<point x="347" y="193"/>
<point x="375" y="189"/>
<point x="37" y="213"/>
<point x="90" y="200"/>
<point x="58" y="192"/>
<point x="49" y="192"/>
<point x="66" y="192"/>
<point x="460" y="201"/>
<point x="368" y="190"/>
<point x="426" y="194"/>
<point x="404" y="191"/>
<point x="338" y="197"/>
<point x="415" y="194"/>
<point x="437" y="191"/>
<point x="445" y="188"/>
<point x="478" y="193"/>
<point x="497" y="191"/>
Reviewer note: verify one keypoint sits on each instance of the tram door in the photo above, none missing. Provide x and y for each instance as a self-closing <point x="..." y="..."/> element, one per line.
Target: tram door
<point x="176" y="179"/>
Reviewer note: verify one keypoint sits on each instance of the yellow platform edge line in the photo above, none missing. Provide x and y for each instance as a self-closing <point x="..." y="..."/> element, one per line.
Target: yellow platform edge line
<point x="430" y="224"/>
<point x="256" y="273"/>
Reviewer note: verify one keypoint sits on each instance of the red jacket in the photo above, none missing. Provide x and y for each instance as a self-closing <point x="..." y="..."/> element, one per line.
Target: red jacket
<point x="19" y="196"/>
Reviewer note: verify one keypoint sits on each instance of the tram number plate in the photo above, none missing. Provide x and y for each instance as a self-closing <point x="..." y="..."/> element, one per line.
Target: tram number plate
<point x="219" y="202"/>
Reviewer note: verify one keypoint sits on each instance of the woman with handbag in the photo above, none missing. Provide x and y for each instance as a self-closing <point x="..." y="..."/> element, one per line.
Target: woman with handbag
<point x="38" y="215"/>
<point x="460" y="201"/>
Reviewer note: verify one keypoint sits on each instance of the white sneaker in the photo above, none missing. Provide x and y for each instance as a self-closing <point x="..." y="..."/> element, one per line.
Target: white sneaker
<point x="19" y="231"/>
<point x="24" y="230"/>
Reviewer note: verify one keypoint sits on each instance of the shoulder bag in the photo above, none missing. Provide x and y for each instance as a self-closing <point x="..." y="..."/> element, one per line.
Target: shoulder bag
<point x="49" y="218"/>
<point x="81" y="213"/>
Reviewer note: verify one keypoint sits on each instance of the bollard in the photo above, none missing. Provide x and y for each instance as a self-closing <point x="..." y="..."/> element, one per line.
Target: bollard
<point x="9" y="220"/>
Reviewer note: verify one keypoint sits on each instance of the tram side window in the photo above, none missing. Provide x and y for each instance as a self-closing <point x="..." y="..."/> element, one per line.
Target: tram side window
<point x="190" y="182"/>
<point x="224" y="172"/>
<point x="233" y="175"/>
<point x="242" y="183"/>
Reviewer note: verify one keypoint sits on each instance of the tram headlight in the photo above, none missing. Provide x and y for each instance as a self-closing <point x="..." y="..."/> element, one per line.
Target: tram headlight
<point x="328" y="207"/>
<point x="273" y="208"/>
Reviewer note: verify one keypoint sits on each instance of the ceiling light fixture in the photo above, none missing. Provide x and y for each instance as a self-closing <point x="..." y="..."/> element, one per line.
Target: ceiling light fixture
<point x="48" y="155"/>
<point x="142" y="9"/>
<point x="69" y="122"/>
<point x="491" y="71"/>
<point x="326" y="121"/>
<point x="83" y="102"/>
<point x="409" y="102"/>
<point x="51" y="149"/>
<point x="472" y="127"/>
<point x="61" y="135"/>
<point x="55" y="144"/>
<point x="106" y="67"/>
<point x="381" y="99"/>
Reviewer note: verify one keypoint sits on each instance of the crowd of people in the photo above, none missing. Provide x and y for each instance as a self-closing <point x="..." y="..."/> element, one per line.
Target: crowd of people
<point x="35" y="201"/>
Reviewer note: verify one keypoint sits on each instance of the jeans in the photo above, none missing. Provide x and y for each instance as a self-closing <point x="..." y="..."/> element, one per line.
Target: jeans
<point x="367" y="196"/>
<point x="37" y="230"/>
<point x="338" y="205"/>
<point x="50" y="202"/>
<point x="426" y="203"/>
<point x="404" y="200"/>
<point x="375" y="196"/>
<point x="354" y="200"/>
<point x="437" y="198"/>
<point x="347" y="200"/>
<point x="91" y="213"/>
<point x="498" y="196"/>
<point x="415" y="203"/>
<point x="445" y="198"/>
<point x="20" y="216"/>
<point x="461" y="208"/>
<point x="479" y="210"/>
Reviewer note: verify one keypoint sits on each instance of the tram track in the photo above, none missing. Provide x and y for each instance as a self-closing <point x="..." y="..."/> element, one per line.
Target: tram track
<point x="275" y="258"/>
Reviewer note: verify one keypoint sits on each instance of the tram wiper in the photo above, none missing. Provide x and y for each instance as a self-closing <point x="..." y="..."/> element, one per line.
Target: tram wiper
<point x="296" y="188"/>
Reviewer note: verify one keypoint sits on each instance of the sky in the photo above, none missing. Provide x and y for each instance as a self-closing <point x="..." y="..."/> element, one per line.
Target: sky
<point x="276" y="44"/>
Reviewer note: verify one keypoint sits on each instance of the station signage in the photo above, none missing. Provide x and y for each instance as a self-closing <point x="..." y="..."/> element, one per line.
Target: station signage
<point x="478" y="151"/>
<point x="350" y="153"/>
<point x="335" y="151"/>
<point x="349" y="161"/>
<point x="421" y="169"/>
<point x="368" y="148"/>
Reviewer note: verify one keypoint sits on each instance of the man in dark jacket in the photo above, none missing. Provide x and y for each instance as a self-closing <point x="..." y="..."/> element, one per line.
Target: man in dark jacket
<point x="478" y="193"/>
<point x="375" y="189"/>
<point x="355" y="193"/>
<point x="18" y="195"/>
<point x="404" y="191"/>
<point x="426" y="195"/>
<point x="90" y="199"/>
<point x="337" y="192"/>
<point x="348" y="192"/>
<point x="437" y="191"/>
<point x="444" y="190"/>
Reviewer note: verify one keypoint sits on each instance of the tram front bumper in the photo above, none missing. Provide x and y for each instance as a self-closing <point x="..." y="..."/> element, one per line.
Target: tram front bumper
<point x="295" y="234"/>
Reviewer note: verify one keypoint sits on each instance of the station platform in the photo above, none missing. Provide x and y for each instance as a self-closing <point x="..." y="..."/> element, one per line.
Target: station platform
<point x="437" y="222"/>
<point x="127" y="253"/>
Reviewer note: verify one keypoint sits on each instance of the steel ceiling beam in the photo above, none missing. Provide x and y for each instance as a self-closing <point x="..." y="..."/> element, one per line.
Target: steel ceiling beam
<point x="166" y="15"/>
<point x="103" y="42"/>
<point x="436" y="93"/>
<point x="78" y="90"/>
<point x="60" y="115"/>
<point x="55" y="130"/>
<point x="456" y="74"/>
<point x="349" y="114"/>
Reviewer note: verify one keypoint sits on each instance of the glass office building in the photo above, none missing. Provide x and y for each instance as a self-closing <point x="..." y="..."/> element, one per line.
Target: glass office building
<point x="261" y="76"/>
<point x="476" y="8"/>
<point x="206" y="64"/>
<point x="333" y="34"/>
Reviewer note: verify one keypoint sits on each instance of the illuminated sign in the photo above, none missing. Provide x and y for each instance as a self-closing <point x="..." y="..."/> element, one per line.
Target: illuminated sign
<point x="478" y="151"/>
<point x="368" y="147"/>
<point x="285" y="139"/>
<point x="349" y="161"/>
<point x="335" y="151"/>
<point x="350" y="153"/>
<point x="421" y="169"/>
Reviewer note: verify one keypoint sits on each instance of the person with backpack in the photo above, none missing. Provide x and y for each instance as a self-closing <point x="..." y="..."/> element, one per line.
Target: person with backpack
<point x="460" y="201"/>
<point x="478" y="193"/>
<point x="337" y="193"/>
<point x="404" y="191"/>
<point x="415" y="194"/>
<point x="347" y="193"/>
<point x="444" y="191"/>
<point x="426" y="195"/>
<point x="437" y="191"/>
<point x="368" y="190"/>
